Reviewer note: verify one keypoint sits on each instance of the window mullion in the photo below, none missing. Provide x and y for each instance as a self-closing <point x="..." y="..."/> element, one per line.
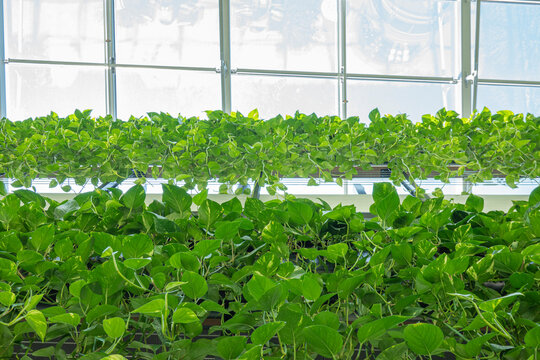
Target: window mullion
<point x="476" y="54"/>
<point x="110" y="58"/>
<point x="3" y="112"/>
<point x="465" y="64"/>
<point x="342" y="55"/>
<point x="225" y="54"/>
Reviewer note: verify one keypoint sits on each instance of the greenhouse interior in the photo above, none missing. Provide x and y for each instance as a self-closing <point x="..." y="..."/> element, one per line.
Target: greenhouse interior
<point x="270" y="179"/>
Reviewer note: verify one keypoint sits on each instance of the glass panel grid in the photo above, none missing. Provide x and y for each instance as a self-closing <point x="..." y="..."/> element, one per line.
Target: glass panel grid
<point x="284" y="35"/>
<point x="390" y="97"/>
<point x="510" y="41"/>
<point x="189" y="93"/>
<point x="36" y="90"/>
<point x="54" y="30"/>
<point x="402" y="37"/>
<point x="273" y="95"/>
<point x="172" y="32"/>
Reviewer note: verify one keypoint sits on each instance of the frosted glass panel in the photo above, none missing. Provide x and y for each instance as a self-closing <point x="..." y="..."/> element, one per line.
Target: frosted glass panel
<point x="280" y="95"/>
<point x="168" y="32"/>
<point x="285" y="35"/>
<point x="55" y="30"/>
<point x="510" y="41"/>
<point x="185" y="92"/>
<point x="514" y="98"/>
<point x="406" y="37"/>
<point x="36" y="90"/>
<point x="414" y="99"/>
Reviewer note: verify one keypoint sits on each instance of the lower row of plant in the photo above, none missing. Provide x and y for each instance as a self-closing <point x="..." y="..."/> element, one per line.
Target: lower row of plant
<point x="285" y="279"/>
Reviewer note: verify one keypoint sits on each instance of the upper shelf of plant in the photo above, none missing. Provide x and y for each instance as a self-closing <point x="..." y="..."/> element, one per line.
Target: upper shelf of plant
<point x="235" y="148"/>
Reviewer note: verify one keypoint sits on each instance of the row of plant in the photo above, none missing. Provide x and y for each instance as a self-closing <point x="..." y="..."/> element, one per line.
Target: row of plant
<point x="234" y="148"/>
<point x="285" y="279"/>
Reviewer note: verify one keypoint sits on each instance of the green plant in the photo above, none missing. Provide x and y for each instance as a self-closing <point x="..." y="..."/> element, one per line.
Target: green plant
<point x="235" y="149"/>
<point x="279" y="280"/>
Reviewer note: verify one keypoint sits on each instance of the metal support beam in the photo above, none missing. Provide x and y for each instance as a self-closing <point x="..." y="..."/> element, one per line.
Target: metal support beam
<point x="110" y="57"/>
<point x="3" y="112"/>
<point x="465" y="52"/>
<point x="225" y="54"/>
<point x="342" y="56"/>
<point x="504" y="82"/>
<point x="521" y="2"/>
<point x="476" y="54"/>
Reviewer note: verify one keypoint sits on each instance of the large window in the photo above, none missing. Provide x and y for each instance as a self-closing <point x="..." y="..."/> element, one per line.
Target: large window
<point x="335" y="57"/>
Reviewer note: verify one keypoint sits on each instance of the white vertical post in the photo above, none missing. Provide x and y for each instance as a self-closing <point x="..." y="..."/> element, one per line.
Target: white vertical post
<point x="110" y="57"/>
<point x="225" y="54"/>
<point x="3" y="112"/>
<point x="476" y="54"/>
<point x="342" y="57"/>
<point x="465" y="51"/>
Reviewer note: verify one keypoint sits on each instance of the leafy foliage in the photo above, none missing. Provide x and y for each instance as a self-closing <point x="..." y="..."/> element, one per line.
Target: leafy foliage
<point x="236" y="148"/>
<point x="280" y="279"/>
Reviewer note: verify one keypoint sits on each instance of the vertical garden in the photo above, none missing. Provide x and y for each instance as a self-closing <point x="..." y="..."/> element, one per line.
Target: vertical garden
<point x="111" y="274"/>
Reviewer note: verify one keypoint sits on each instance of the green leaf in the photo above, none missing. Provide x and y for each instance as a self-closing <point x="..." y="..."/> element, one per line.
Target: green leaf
<point x="338" y="250"/>
<point x="100" y="311"/>
<point x="114" y="357"/>
<point x="227" y="230"/>
<point x="3" y="189"/>
<point x="200" y="197"/>
<point x="475" y="203"/>
<point x="138" y="245"/>
<point x="152" y="308"/>
<point x="42" y="237"/>
<point x="205" y="247"/>
<point x="184" y="316"/>
<point x="374" y="115"/>
<point x="32" y="301"/>
<point x="327" y="318"/>
<point x="402" y="253"/>
<point x="67" y="208"/>
<point x="386" y="200"/>
<point x="134" y="197"/>
<point x="375" y="329"/>
<point x="323" y="340"/>
<point x="37" y="322"/>
<point x="210" y="305"/>
<point x="195" y="285"/>
<point x="534" y="197"/>
<point x="395" y="352"/>
<point x="136" y="264"/>
<point x="177" y="198"/>
<point x="173" y="285"/>
<point x="474" y="346"/>
<point x="254" y="353"/>
<point x="185" y="261"/>
<point x="72" y="319"/>
<point x="299" y="212"/>
<point x="231" y="347"/>
<point x="27" y="196"/>
<point x="209" y="212"/>
<point x="423" y="339"/>
<point x="258" y="285"/>
<point x="265" y="332"/>
<point x="271" y="297"/>
<point x="532" y="337"/>
<point x="519" y="279"/>
<point x="311" y="290"/>
<point x="492" y="304"/>
<point x="114" y="327"/>
<point x="7" y="298"/>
